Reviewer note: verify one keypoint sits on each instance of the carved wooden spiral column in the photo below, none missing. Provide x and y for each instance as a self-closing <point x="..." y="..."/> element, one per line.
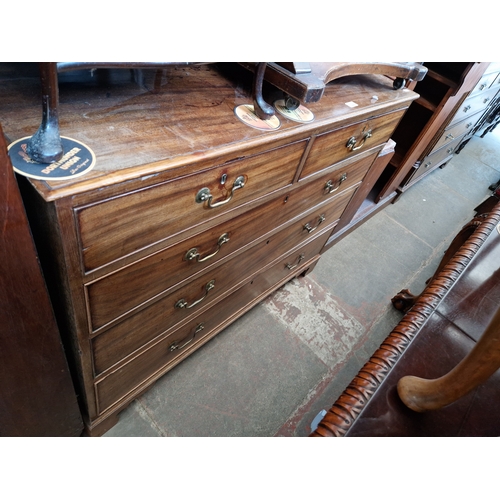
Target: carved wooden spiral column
<point x="350" y="404"/>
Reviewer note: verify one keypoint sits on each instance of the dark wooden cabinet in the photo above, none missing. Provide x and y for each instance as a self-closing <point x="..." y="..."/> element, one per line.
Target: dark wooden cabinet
<point x="190" y="217"/>
<point x="37" y="398"/>
<point x="423" y="137"/>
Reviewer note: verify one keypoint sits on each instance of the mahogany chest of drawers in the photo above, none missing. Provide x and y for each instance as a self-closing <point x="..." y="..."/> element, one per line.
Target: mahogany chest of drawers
<point x="190" y="217"/>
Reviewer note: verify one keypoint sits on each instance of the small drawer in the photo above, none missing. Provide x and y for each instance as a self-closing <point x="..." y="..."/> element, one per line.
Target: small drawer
<point x="496" y="82"/>
<point x="115" y="294"/>
<point x="124" y="337"/>
<point x="484" y="83"/>
<point x="435" y="159"/>
<point x="114" y="228"/>
<point x="457" y="130"/>
<point x="332" y="147"/>
<point x="161" y="356"/>
<point x="473" y="105"/>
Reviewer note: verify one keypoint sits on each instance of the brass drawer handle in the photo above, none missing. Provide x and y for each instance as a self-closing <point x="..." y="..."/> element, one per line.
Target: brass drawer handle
<point x="193" y="253"/>
<point x="182" y="303"/>
<point x="300" y="258"/>
<point x="205" y="195"/>
<point x="351" y="143"/>
<point x="174" y="346"/>
<point x="329" y="185"/>
<point x="308" y="226"/>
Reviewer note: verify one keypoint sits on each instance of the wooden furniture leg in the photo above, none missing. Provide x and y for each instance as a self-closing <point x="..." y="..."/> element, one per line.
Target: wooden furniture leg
<point x="404" y="300"/>
<point x="261" y="108"/>
<point x="484" y="359"/>
<point x="45" y="145"/>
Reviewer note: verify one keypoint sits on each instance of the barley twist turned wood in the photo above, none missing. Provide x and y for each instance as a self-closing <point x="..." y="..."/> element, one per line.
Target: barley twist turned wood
<point x="341" y="416"/>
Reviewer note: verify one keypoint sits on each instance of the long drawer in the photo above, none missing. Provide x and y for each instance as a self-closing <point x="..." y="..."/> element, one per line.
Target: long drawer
<point x="484" y="83"/>
<point x="125" y="336"/>
<point x="116" y="293"/>
<point x="331" y="147"/>
<point x="437" y="158"/>
<point x="159" y="357"/>
<point x="473" y="105"/>
<point x="116" y="227"/>
<point x="456" y="130"/>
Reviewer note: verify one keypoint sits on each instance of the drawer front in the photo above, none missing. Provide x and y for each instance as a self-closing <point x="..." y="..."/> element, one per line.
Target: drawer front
<point x="331" y="147"/>
<point x="120" y="226"/>
<point x="456" y="131"/>
<point x="473" y="105"/>
<point x="162" y="355"/>
<point x="125" y="337"/>
<point x="432" y="161"/>
<point x="117" y="293"/>
<point x="484" y="83"/>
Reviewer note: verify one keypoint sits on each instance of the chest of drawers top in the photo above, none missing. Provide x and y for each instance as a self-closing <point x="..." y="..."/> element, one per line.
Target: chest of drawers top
<point x="145" y="133"/>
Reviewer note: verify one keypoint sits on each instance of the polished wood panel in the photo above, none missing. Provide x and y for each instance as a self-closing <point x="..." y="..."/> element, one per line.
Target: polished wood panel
<point x="37" y="397"/>
<point x="477" y="367"/>
<point x="120" y="291"/>
<point x="155" y="317"/>
<point x="135" y="132"/>
<point x="155" y="358"/>
<point x="332" y="147"/>
<point x="122" y="225"/>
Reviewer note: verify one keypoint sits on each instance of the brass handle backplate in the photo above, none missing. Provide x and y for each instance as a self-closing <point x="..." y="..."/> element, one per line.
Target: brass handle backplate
<point x="351" y="143"/>
<point x="193" y="253"/>
<point x="300" y="258"/>
<point x="329" y="185"/>
<point x="174" y="346"/>
<point x="205" y="195"/>
<point x="308" y="226"/>
<point x="183" y="304"/>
